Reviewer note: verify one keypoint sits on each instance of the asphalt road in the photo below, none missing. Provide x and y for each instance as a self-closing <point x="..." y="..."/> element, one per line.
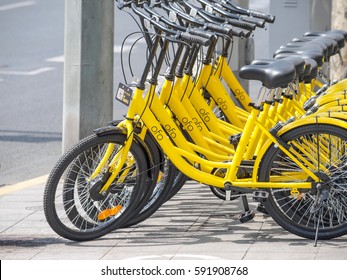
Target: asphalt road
<point x="31" y="85"/>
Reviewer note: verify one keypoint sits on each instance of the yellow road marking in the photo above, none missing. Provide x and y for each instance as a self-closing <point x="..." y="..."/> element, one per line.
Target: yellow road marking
<point x="23" y="185"/>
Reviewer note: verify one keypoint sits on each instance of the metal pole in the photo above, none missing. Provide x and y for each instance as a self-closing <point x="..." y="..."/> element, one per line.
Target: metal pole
<point x="88" y="70"/>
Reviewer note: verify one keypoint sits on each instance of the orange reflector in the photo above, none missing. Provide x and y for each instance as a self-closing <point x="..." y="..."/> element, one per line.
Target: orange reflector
<point x="109" y="212"/>
<point x="160" y="175"/>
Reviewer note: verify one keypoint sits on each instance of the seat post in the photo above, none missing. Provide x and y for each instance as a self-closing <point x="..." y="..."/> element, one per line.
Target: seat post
<point x="261" y="97"/>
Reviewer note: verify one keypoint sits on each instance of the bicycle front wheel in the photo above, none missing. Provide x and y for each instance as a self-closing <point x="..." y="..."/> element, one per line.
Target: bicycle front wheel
<point x="72" y="204"/>
<point x="323" y="148"/>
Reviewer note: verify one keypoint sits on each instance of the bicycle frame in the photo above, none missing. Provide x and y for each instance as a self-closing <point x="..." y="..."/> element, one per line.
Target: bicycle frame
<point x="179" y="154"/>
<point x="186" y="156"/>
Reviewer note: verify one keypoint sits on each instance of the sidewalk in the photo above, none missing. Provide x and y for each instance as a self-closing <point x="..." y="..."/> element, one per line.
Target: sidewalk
<point x="193" y="225"/>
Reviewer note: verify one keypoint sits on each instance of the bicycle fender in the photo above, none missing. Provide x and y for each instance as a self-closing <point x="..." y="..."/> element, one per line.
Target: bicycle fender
<point x="105" y="130"/>
<point x="114" y="126"/>
<point x="330" y="118"/>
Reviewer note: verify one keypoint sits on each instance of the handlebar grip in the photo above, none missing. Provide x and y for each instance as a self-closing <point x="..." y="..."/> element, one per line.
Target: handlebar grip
<point x="256" y="21"/>
<point x="242" y="24"/>
<point x="267" y="18"/>
<point x="222" y="29"/>
<point x="238" y="32"/>
<point x="202" y="33"/>
<point x="193" y="39"/>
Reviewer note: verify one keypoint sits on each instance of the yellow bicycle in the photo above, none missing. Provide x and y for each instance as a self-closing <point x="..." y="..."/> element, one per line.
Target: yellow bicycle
<point x="298" y="172"/>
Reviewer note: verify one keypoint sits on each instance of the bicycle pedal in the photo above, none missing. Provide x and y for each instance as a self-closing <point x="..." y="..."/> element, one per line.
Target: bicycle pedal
<point x="247" y="216"/>
<point x="261" y="208"/>
<point x="260" y="196"/>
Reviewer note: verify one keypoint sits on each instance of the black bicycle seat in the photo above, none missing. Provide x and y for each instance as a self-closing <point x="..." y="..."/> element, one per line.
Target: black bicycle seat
<point x="278" y="73"/>
<point x="299" y="50"/>
<point x="313" y="45"/>
<point x="318" y="57"/>
<point x="298" y="62"/>
<point x="343" y="32"/>
<point x="338" y="37"/>
<point x="331" y="44"/>
<point x="310" y="66"/>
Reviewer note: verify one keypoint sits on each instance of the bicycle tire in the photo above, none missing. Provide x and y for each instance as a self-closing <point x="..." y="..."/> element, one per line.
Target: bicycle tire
<point x="73" y="175"/>
<point x="151" y="189"/>
<point x="163" y="185"/>
<point x="295" y="213"/>
<point x="155" y="161"/>
<point x="179" y="181"/>
<point x="158" y="197"/>
<point x="57" y="197"/>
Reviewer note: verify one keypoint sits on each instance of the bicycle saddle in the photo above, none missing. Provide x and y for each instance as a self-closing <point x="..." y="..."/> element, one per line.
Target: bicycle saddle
<point x="343" y="32"/>
<point x="331" y="44"/>
<point x="298" y="62"/>
<point x="338" y="37"/>
<point x="314" y="45"/>
<point x="310" y="70"/>
<point x="278" y="73"/>
<point x="318" y="57"/>
<point x="300" y="50"/>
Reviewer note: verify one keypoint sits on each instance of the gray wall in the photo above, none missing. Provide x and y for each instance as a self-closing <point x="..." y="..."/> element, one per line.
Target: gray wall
<point x="295" y="17"/>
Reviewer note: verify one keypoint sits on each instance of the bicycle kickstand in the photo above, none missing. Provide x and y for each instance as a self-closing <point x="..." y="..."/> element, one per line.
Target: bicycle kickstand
<point x="248" y="214"/>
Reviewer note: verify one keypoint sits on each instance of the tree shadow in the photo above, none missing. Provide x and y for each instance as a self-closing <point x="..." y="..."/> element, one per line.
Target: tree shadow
<point x="30" y="242"/>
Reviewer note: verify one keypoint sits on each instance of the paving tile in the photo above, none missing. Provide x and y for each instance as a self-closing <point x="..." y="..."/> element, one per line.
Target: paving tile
<point x="135" y="256"/>
<point x="332" y="255"/>
<point x="193" y="225"/>
<point x="214" y="256"/>
<point x="279" y="256"/>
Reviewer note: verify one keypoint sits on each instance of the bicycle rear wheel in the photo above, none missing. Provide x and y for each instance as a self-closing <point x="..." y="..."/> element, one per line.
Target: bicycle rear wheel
<point x="325" y="148"/>
<point x="72" y="204"/>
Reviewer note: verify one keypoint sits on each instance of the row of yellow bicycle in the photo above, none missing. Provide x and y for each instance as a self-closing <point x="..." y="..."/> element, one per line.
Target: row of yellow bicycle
<point x="189" y="117"/>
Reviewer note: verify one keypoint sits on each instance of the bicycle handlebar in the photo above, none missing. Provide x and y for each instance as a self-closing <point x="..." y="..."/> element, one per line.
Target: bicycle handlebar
<point x="184" y="36"/>
<point x="208" y="16"/>
<point x="242" y="24"/>
<point x="193" y="39"/>
<point x="222" y="29"/>
<point x="163" y="19"/>
<point x="193" y="31"/>
<point x="267" y="18"/>
<point x="199" y="37"/>
<point x="258" y="22"/>
<point x="243" y="11"/>
<point x="235" y="30"/>
<point x="191" y="20"/>
<point x="219" y="8"/>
